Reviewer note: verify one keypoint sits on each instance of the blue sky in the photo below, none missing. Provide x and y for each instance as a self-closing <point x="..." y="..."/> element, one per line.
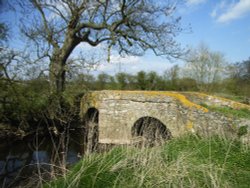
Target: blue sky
<point x="223" y="25"/>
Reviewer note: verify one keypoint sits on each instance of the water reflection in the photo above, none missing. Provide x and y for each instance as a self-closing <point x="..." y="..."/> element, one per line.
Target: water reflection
<point x="22" y="159"/>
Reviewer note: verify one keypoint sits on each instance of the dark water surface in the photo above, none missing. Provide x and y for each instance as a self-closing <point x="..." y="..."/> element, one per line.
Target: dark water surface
<point x="24" y="159"/>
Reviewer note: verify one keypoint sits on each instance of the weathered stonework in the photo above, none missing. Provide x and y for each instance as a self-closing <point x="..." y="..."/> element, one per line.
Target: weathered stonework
<point x="119" y="110"/>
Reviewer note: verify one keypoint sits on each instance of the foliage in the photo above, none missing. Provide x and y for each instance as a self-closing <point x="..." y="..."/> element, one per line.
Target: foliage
<point x="188" y="161"/>
<point x="23" y="101"/>
<point x="121" y="80"/>
<point x="141" y="80"/>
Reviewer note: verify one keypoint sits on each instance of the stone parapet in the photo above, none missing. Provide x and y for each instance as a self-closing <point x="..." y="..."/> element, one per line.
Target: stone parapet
<point x="179" y="112"/>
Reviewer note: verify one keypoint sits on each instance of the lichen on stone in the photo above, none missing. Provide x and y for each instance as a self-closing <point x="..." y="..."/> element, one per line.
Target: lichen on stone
<point x="189" y="125"/>
<point x="175" y="95"/>
<point x="220" y="101"/>
<point x="93" y="97"/>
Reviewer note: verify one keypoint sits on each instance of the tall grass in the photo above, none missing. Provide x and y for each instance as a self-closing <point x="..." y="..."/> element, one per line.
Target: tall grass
<point x="188" y="161"/>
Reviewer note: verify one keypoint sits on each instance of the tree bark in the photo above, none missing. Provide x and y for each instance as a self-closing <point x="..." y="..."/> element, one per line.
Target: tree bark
<point x="57" y="76"/>
<point x="59" y="61"/>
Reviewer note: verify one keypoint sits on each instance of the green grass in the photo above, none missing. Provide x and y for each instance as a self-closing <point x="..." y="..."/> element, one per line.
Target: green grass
<point x="240" y="113"/>
<point x="189" y="161"/>
<point x="237" y="98"/>
<point x="227" y="111"/>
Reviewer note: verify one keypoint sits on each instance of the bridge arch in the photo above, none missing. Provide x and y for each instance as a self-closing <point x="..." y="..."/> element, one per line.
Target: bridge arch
<point x="92" y="115"/>
<point x="151" y="129"/>
<point x="92" y="129"/>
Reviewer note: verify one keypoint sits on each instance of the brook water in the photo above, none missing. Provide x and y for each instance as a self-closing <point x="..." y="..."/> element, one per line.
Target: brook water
<point x="24" y="160"/>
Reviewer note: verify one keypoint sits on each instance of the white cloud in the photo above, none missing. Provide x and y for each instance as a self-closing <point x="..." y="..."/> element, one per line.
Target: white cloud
<point x="190" y="6"/>
<point x="118" y="63"/>
<point x="195" y="2"/>
<point x="231" y="11"/>
<point x="133" y="64"/>
<point x="217" y="8"/>
<point x="116" y="59"/>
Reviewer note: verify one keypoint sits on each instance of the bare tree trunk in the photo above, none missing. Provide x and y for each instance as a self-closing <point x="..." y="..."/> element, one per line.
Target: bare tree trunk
<point x="59" y="60"/>
<point x="57" y="76"/>
<point x="58" y="66"/>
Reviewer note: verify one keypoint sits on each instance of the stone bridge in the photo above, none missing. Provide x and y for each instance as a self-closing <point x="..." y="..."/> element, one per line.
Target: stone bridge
<point x="120" y="117"/>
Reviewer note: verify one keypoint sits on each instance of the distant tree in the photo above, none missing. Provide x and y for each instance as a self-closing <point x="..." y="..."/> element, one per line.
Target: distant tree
<point x="152" y="79"/>
<point x="121" y="79"/>
<point x="205" y="66"/>
<point x="244" y="70"/>
<point x="161" y="83"/>
<point x="171" y="75"/>
<point x="102" y="81"/>
<point x="141" y="80"/>
<point x="87" y="81"/>
<point x="128" y="26"/>
<point x="239" y="78"/>
<point x="187" y="84"/>
<point x="112" y="83"/>
<point x="131" y="82"/>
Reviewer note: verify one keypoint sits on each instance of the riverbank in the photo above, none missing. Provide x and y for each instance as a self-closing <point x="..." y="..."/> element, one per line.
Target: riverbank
<point x="188" y="161"/>
<point x="24" y="161"/>
<point x="9" y="134"/>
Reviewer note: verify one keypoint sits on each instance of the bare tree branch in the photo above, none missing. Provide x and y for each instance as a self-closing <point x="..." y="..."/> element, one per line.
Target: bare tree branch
<point x="128" y="26"/>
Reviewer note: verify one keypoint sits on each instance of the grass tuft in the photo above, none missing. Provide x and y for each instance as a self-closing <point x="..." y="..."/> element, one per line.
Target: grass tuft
<point x="188" y="161"/>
